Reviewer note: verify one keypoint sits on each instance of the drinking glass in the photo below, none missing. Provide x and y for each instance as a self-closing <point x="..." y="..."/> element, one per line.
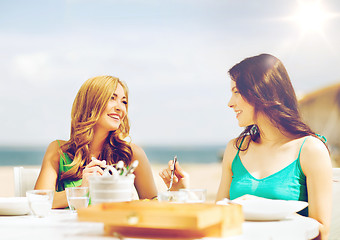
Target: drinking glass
<point x="173" y="196"/>
<point x="77" y="197"/>
<point x="195" y="195"/>
<point x="40" y="201"/>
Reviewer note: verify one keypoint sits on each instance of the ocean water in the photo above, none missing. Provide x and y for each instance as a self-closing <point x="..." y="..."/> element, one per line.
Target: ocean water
<point x="26" y="156"/>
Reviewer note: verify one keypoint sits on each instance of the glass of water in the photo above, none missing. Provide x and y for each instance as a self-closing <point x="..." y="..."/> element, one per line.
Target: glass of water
<point x="40" y="202"/>
<point x="77" y="197"/>
<point x="195" y="195"/>
<point x="173" y="196"/>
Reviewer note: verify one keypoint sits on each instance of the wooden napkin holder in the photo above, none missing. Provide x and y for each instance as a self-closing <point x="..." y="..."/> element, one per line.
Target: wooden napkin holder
<point x="150" y="219"/>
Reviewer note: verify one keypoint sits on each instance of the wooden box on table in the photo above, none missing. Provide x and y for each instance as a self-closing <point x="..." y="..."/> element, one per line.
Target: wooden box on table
<point x="154" y="219"/>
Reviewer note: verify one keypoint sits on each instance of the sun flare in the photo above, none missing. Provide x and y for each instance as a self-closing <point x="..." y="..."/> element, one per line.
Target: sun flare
<point x="311" y="16"/>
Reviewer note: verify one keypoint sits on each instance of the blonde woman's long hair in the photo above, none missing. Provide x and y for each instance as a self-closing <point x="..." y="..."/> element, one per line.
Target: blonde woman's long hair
<point x="90" y="102"/>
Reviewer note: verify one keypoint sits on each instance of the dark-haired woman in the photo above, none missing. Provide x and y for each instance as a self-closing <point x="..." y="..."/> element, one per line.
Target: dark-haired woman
<point x="99" y="125"/>
<point x="277" y="156"/>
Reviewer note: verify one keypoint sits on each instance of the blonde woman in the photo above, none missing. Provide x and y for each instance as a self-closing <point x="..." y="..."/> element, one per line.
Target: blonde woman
<point x="99" y="125"/>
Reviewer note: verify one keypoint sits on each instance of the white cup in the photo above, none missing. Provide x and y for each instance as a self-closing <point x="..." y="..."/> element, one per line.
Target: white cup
<point x="40" y="202"/>
<point x="77" y="197"/>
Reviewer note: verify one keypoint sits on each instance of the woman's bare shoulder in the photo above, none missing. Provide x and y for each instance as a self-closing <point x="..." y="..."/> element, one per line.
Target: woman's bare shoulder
<point x="230" y="151"/>
<point x="53" y="146"/>
<point x="61" y="142"/>
<point x="314" y="154"/>
<point x="314" y="145"/>
<point x="136" y="149"/>
<point x="53" y="151"/>
<point x="138" y="152"/>
<point x="233" y="144"/>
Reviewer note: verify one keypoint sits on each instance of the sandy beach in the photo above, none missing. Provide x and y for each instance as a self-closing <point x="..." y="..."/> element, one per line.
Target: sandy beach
<point x="6" y="182"/>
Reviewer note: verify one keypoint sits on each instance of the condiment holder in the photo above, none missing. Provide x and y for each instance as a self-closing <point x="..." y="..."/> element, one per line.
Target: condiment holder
<point x="115" y="185"/>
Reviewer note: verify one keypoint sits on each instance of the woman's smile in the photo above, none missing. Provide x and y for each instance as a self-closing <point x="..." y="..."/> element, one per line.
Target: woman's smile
<point x="114" y="116"/>
<point x="238" y="112"/>
<point x="243" y="110"/>
<point x="115" y="110"/>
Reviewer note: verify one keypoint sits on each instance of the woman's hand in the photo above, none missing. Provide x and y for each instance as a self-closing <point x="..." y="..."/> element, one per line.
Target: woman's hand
<point x="181" y="178"/>
<point x="94" y="167"/>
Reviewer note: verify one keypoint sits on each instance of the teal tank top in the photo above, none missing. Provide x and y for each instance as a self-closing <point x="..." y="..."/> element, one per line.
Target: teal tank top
<point x="62" y="184"/>
<point x="287" y="184"/>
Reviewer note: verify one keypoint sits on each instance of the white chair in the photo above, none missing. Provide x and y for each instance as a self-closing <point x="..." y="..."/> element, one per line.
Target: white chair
<point x="24" y="180"/>
<point x="335" y="224"/>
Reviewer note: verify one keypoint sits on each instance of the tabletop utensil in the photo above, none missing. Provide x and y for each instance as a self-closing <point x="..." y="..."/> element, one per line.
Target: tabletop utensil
<point x="110" y="170"/>
<point x="172" y="173"/>
<point x="120" y="167"/>
<point x="132" y="167"/>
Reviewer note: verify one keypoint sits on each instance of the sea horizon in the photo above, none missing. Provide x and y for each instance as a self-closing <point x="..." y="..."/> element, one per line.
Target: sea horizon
<point x="23" y="155"/>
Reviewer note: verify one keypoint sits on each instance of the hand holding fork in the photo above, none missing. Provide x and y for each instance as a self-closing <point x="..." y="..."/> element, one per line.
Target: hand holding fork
<point x="174" y="176"/>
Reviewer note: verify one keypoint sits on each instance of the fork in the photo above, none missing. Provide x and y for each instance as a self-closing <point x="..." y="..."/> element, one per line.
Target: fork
<point x="172" y="173"/>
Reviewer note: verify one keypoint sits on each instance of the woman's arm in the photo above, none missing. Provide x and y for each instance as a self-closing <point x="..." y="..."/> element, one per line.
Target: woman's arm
<point x="316" y="165"/>
<point x="144" y="182"/>
<point x="226" y="177"/>
<point x="49" y="174"/>
<point x="50" y="169"/>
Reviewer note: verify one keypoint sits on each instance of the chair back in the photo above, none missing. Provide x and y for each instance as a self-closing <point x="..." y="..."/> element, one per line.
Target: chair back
<point x="335" y="224"/>
<point x="336" y="175"/>
<point x="24" y="180"/>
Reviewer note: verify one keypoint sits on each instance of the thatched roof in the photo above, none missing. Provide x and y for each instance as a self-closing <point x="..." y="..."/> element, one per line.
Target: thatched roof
<point x="321" y="111"/>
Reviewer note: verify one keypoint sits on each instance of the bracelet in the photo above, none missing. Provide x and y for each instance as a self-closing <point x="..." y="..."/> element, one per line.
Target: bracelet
<point x="154" y="198"/>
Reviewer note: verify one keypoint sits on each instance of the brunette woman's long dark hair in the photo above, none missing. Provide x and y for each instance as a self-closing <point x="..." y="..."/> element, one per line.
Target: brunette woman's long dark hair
<point x="264" y="83"/>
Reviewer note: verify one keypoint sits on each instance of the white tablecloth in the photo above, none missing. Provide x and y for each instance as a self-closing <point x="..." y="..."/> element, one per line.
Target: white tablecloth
<point x="62" y="224"/>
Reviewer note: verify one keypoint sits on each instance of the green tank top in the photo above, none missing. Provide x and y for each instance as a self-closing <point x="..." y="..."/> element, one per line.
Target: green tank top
<point x="287" y="184"/>
<point x="62" y="184"/>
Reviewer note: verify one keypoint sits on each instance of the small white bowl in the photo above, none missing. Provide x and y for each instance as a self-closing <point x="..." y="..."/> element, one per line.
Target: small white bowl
<point x="11" y="206"/>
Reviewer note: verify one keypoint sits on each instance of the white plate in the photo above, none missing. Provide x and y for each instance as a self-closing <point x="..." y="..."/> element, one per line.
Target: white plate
<point x="268" y="210"/>
<point x="14" y="206"/>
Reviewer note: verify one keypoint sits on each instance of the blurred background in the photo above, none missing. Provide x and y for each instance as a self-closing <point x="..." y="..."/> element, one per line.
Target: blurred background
<point x="174" y="57"/>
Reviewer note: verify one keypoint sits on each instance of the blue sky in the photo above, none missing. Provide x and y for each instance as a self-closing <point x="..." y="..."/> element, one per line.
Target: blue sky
<point x="174" y="56"/>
